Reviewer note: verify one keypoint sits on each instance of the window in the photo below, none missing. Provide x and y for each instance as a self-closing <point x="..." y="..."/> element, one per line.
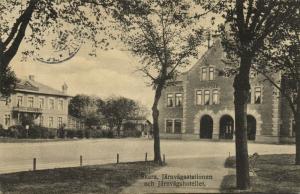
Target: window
<point x="177" y="126"/>
<point x="169" y="100"/>
<point x="204" y="73"/>
<point x="215" y="96"/>
<point x="42" y="103"/>
<point x="206" y="97"/>
<point x="30" y="102"/>
<point x="59" y="121"/>
<point x="41" y="120"/>
<point x="199" y="97"/>
<point x="51" y="104"/>
<point x="19" y="100"/>
<point x="211" y="73"/>
<point x="257" y="96"/>
<point x="60" y="104"/>
<point x="7" y="120"/>
<point x="169" y="126"/>
<point x="178" y="99"/>
<point x="51" y="122"/>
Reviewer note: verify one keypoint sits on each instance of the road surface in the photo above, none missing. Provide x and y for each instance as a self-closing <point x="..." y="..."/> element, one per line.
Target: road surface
<point x="18" y="156"/>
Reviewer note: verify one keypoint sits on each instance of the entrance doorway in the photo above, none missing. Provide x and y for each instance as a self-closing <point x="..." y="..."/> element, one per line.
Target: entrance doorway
<point x="226" y="127"/>
<point x="206" y="127"/>
<point x="251" y="127"/>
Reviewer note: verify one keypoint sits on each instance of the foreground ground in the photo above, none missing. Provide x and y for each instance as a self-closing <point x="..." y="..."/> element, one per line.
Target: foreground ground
<point x="110" y="178"/>
<point x="273" y="174"/>
<point x="184" y="159"/>
<point x="19" y="156"/>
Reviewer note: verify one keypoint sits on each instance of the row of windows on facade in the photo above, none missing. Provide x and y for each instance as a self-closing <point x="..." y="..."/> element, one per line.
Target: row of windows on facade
<point x="207" y="97"/>
<point x="7" y="121"/>
<point x="208" y="73"/>
<point x="30" y="103"/>
<point x="175" y="126"/>
<point x="51" y="122"/>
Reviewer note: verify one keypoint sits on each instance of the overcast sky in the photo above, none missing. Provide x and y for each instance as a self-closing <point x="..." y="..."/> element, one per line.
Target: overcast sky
<point x="110" y="73"/>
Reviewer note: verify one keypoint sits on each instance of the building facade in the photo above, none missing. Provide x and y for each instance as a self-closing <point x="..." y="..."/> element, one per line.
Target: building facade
<point x="33" y="101"/>
<point x="200" y="105"/>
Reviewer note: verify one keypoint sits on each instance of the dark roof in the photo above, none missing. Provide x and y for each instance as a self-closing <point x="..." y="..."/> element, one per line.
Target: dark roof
<point x="27" y="85"/>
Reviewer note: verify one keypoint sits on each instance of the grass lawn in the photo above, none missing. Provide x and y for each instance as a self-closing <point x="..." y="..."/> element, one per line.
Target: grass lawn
<point x="110" y="178"/>
<point x="275" y="173"/>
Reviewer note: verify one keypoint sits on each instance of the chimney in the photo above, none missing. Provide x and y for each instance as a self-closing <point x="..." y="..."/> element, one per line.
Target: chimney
<point x="31" y="77"/>
<point x="64" y="88"/>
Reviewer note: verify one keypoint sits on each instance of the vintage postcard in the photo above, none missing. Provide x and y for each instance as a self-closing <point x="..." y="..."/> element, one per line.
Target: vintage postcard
<point x="149" y="96"/>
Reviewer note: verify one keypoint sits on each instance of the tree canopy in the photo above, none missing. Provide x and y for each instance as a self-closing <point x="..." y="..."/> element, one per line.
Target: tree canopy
<point x="58" y="26"/>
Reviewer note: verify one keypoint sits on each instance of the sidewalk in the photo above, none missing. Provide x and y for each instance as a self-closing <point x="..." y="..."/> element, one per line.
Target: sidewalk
<point x="208" y="166"/>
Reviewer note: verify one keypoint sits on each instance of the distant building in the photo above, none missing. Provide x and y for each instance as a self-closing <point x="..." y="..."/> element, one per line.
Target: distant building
<point x="200" y="105"/>
<point x="142" y="125"/>
<point x="44" y="105"/>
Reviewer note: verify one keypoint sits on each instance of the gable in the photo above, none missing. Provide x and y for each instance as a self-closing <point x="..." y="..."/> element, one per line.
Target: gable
<point x="26" y="85"/>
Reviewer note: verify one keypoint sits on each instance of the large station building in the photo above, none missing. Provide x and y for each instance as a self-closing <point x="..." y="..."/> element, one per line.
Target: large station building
<point x="200" y="105"/>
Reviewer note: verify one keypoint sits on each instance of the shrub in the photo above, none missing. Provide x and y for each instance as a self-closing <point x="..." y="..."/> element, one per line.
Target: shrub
<point x="108" y="133"/>
<point x="132" y="133"/>
<point x="87" y="133"/>
<point x="52" y="133"/>
<point x="3" y="133"/>
<point x="80" y="133"/>
<point x="17" y="131"/>
<point x="61" y="133"/>
<point x="37" y="131"/>
<point x="96" y="133"/>
<point x="70" y="133"/>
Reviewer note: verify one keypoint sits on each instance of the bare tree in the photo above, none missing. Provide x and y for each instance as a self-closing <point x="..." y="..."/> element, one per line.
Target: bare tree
<point x="248" y="25"/>
<point x="164" y="36"/>
<point x="283" y="58"/>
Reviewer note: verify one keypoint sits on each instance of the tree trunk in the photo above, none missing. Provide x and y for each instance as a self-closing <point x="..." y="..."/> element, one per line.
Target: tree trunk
<point x="241" y="90"/>
<point x="155" y="115"/>
<point x="297" y="123"/>
<point x="119" y="129"/>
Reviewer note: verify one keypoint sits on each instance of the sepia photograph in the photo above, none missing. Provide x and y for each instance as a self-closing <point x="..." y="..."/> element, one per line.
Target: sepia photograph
<point x="149" y="96"/>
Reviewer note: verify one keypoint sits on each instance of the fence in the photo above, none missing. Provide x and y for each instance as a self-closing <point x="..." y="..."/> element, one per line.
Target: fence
<point x="81" y="161"/>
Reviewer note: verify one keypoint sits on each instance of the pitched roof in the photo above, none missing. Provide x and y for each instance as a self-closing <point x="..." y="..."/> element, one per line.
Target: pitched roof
<point x="27" y="85"/>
